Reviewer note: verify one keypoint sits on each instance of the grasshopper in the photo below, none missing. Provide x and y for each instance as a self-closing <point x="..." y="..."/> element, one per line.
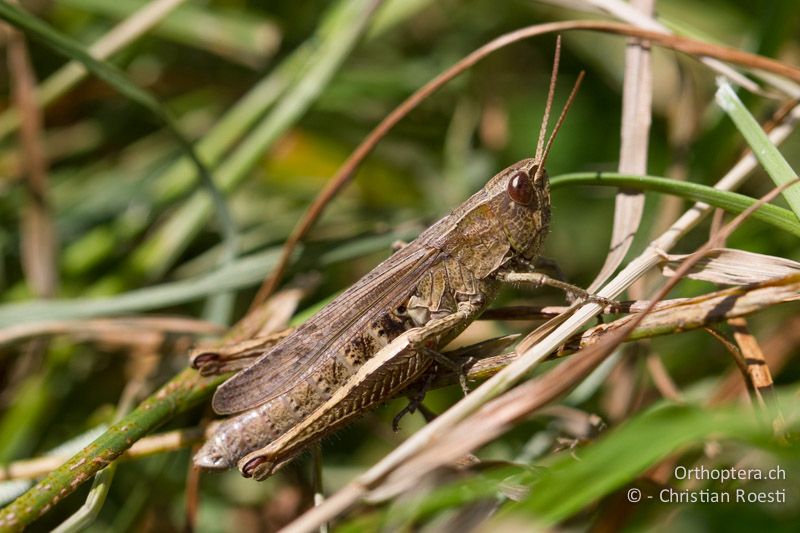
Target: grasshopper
<point x="325" y="372"/>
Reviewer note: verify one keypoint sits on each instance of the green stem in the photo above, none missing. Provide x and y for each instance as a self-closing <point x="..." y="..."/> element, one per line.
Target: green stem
<point x="184" y="391"/>
<point x="729" y="201"/>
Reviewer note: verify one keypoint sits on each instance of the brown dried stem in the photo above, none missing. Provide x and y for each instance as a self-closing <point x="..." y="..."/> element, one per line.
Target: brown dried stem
<point x="118" y="330"/>
<point x="152" y="445"/>
<point x="667" y="317"/>
<point x="38" y="232"/>
<point x="637" y="97"/>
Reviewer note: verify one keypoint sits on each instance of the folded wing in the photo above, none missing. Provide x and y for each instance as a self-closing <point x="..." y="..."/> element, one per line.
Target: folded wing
<point x="300" y="354"/>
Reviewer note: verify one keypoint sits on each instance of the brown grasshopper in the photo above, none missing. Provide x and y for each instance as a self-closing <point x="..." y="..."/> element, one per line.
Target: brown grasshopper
<point x="410" y="306"/>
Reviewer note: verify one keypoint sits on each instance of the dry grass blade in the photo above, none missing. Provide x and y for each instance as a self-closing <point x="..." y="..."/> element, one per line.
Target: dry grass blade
<point x="758" y="372"/>
<point x="525" y="312"/>
<point x="667" y="317"/>
<point x="726" y="266"/>
<point x="118" y="330"/>
<point x="637" y="98"/>
<point x="347" y="170"/>
<point x="698" y="312"/>
<point x="777" y="350"/>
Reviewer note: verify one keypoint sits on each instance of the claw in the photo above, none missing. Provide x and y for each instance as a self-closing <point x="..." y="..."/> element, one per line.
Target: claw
<point x="205" y="362"/>
<point x="250" y="467"/>
<point x="407" y="410"/>
<point x="415" y="403"/>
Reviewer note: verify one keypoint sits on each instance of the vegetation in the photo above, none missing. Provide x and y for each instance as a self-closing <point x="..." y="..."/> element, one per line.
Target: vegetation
<point x="151" y="185"/>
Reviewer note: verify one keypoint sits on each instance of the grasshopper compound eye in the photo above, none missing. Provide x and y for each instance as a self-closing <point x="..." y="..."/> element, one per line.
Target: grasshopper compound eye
<point x="520" y="188"/>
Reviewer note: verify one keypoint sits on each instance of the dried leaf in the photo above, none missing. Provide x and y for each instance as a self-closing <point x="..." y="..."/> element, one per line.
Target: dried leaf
<point x="727" y="266"/>
<point x="636" y="118"/>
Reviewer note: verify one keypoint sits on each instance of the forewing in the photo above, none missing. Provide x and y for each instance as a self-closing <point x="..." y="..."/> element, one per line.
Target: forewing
<point x="299" y="355"/>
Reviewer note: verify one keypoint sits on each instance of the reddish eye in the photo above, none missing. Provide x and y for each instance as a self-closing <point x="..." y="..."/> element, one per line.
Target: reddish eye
<point x="520" y="188"/>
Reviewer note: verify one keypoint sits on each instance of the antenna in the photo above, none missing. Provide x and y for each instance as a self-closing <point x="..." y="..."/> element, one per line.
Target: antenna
<point x="550" y="95"/>
<point x="560" y="121"/>
<point x="543" y="152"/>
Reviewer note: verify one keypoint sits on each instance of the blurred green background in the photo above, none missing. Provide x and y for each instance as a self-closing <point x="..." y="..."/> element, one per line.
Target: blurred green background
<point x="130" y="214"/>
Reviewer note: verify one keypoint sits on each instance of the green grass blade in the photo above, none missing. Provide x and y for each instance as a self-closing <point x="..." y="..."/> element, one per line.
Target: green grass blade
<point x="243" y="36"/>
<point x="729" y="201"/>
<point x="767" y="153"/>
<point x="66" y="77"/>
<point x="71" y="49"/>
<point x="338" y="39"/>
<point x="243" y="272"/>
<point x="569" y="485"/>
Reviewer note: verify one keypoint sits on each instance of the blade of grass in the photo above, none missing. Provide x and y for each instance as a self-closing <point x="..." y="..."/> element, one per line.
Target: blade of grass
<point x="630" y="450"/>
<point x="767" y="153"/>
<point x="243" y="272"/>
<point x="339" y="37"/>
<point x="69" y="75"/>
<point x="243" y="36"/>
<point x="87" y="514"/>
<point x="66" y="46"/>
<point x="729" y="201"/>
<point x="637" y="97"/>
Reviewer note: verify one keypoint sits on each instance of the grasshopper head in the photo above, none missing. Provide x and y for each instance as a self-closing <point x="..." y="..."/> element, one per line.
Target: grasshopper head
<point x="520" y="198"/>
<point x="520" y="195"/>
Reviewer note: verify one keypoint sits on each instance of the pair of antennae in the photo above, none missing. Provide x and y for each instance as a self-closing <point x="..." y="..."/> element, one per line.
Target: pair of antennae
<point x="542" y="150"/>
